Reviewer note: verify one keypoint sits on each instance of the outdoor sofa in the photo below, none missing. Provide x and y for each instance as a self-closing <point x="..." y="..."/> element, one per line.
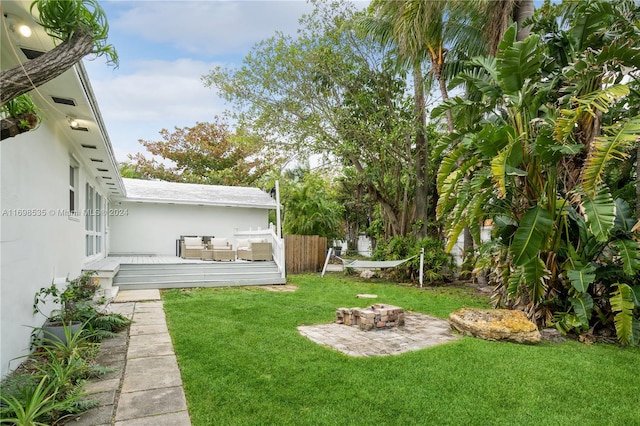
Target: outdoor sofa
<point x="222" y="249"/>
<point x="254" y="249"/>
<point x="191" y="247"/>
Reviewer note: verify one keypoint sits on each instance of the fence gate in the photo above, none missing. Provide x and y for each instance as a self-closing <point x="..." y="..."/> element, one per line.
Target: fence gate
<point x="304" y="253"/>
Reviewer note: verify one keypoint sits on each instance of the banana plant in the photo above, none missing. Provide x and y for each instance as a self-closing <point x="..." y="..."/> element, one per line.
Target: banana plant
<point x="533" y="161"/>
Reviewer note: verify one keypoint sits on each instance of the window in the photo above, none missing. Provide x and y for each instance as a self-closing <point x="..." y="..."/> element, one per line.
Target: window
<point x="94" y="221"/>
<point x="73" y="193"/>
<point x="88" y="221"/>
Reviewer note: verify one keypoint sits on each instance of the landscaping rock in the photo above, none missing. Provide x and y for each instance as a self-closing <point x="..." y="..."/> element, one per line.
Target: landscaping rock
<point x="367" y="274"/>
<point x="495" y="324"/>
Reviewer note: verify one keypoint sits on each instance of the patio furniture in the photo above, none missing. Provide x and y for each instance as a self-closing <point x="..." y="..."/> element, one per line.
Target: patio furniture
<point x="191" y="248"/>
<point x="207" y="254"/>
<point x="222" y="249"/>
<point x="254" y="249"/>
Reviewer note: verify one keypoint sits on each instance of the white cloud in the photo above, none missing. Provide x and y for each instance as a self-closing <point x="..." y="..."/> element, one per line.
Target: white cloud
<point x="157" y="94"/>
<point x="209" y="27"/>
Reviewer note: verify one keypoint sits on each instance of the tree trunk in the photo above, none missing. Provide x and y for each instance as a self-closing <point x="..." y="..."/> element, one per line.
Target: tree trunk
<point x="25" y="77"/>
<point x="422" y="153"/>
<point x="522" y="11"/>
<point x="437" y="66"/>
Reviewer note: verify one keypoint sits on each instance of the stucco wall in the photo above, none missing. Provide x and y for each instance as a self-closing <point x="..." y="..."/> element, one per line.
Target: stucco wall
<point x="149" y="228"/>
<point x="38" y="242"/>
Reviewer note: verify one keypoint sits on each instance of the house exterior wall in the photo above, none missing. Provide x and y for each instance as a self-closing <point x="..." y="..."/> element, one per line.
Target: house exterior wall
<point x="153" y="228"/>
<point x="39" y="242"/>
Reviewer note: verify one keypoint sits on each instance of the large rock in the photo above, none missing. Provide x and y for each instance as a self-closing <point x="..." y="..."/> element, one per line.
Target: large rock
<point x="495" y="324"/>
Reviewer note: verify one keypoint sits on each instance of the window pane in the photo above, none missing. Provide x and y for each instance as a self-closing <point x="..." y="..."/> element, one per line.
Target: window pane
<point x="71" y="177"/>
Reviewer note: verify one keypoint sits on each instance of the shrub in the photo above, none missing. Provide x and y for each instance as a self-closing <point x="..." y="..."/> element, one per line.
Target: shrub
<point x="438" y="265"/>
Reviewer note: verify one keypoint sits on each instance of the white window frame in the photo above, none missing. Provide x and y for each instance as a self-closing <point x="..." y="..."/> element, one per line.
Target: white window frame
<point x="94" y="222"/>
<point x="74" y="189"/>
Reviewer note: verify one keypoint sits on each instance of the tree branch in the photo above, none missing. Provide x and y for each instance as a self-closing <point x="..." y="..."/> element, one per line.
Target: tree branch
<point x="24" y="77"/>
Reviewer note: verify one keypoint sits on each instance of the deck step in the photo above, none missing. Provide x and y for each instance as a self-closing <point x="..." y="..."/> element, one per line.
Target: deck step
<point x="183" y="275"/>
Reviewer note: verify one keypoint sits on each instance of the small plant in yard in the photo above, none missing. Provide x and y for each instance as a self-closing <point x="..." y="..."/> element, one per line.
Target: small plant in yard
<point x="76" y="304"/>
<point x="77" y="294"/>
<point x="47" y="387"/>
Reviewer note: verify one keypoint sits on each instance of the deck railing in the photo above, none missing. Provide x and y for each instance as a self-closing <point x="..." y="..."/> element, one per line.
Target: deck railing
<point x="277" y="245"/>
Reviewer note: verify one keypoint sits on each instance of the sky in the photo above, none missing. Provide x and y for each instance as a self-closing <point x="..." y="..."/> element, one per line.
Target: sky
<point x="164" y="48"/>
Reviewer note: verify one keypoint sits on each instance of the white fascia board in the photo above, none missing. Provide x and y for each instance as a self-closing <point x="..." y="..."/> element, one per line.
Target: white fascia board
<point x="203" y="203"/>
<point x="83" y="77"/>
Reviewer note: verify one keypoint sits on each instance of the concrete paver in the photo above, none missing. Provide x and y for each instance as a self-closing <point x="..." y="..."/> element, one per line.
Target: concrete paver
<point x="145" y="386"/>
<point x="146" y="403"/>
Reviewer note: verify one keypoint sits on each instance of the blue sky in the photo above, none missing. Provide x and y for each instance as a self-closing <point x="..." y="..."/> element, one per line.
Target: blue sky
<point x="165" y="46"/>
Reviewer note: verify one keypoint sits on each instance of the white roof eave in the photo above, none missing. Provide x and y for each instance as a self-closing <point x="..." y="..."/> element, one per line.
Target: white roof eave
<point x="203" y="203"/>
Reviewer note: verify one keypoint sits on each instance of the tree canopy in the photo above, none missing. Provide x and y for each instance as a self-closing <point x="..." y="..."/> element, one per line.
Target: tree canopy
<point x="207" y="153"/>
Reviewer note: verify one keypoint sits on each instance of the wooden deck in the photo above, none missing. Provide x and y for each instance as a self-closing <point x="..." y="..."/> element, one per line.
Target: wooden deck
<point x="144" y="272"/>
<point x="142" y="260"/>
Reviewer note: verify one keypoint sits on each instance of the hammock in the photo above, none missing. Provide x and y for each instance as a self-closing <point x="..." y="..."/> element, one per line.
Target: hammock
<point x="375" y="264"/>
<point x="379" y="264"/>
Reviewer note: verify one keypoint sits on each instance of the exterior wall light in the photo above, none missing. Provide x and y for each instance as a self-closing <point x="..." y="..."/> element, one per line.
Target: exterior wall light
<point x="17" y="27"/>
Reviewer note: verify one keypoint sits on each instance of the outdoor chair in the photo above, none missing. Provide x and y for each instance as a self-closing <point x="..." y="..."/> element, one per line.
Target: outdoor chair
<point x="191" y="247"/>
<point x="222" y="249"/>
<point x="254" y="249"/>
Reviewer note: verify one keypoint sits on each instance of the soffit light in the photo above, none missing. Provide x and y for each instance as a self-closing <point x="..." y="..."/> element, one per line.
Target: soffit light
<point x="17" y="27"/>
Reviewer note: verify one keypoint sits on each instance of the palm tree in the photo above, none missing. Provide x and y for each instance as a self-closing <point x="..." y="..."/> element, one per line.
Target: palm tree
<point x="388" y="28"/>
<point x="495" y="16"/>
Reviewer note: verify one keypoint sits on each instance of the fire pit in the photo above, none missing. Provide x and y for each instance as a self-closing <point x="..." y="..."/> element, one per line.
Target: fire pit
<point x="376" y="317"/>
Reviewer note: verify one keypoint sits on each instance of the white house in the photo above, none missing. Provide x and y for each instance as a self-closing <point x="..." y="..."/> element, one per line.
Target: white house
<point x="59" y="183"/>
<point x="154" y="215"/>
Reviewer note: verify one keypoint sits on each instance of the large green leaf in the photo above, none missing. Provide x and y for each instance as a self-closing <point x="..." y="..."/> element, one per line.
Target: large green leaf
<point x="600" y="213"/>
<point x="581" y="279"/>
<point x="622" y="304"/>
<point x="635" y="295"/>
<point x="505" y="164"/>
<point x="599" y="100"/>
<point x="624" y="216"/>
<point x="607" y="148"/>
<point x="492" y="139"/>
<point x="536" y="275"/>
<point x="529" y="238"/>
<point x="517" y="61"/>
<point x="582" y="305"/>
<point x="629" y="252"/>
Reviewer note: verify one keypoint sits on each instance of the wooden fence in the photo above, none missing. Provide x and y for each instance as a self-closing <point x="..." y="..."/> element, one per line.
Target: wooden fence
<point x="304" y="253"/>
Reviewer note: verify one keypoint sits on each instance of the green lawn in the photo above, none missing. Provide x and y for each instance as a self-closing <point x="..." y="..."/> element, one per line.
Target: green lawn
<point x="243" y="362"/>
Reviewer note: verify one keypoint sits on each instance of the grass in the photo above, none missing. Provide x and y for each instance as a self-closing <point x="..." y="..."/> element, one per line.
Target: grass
<point x="243" y="362"/>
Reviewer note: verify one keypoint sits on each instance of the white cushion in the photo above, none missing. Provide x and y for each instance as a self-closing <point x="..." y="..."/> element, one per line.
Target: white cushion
<point x="243" y="244"/>
<point x="257" y="240"/>
<point x="219" y="243"/>
<point x="193" y="242"/>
